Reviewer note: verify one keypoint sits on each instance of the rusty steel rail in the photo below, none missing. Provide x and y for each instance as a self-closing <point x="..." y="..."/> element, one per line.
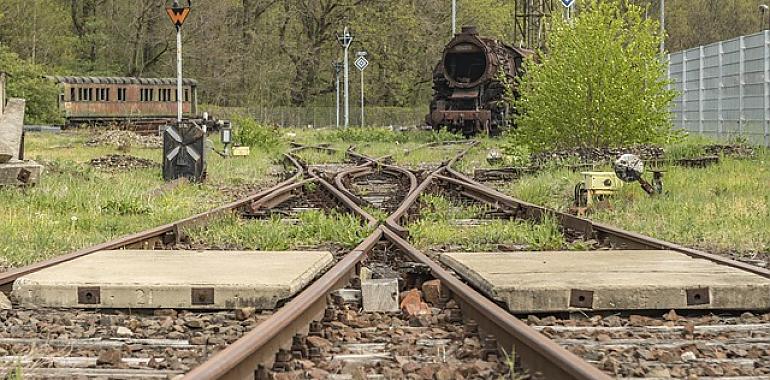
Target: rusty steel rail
<point x="166" y="233"/>
<point x="258" y="347"/>
<point x="537" y="352"/>
<point x="394" y="221"/>
<point x="241" y="359"/>
<point x="590" y="229"/>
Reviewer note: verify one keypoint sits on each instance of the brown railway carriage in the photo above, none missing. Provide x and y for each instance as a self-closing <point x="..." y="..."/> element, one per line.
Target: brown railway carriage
<point x="97" y="100"/>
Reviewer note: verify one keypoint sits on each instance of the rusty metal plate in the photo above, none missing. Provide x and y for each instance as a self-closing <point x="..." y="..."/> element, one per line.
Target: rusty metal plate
<point x="89" y="295"/>
<point x="581" y="298"/>
<point x="698" y="296"/>
<point x="24" y="176"/>
<point x="202" y="296"/>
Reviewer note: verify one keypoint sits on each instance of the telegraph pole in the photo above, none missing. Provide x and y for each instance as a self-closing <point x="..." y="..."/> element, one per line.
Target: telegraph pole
<point x="178" y="15"/>
<point x="337" y="68"/>
<point x="454" y="17"/>
<point x="663" y="28"/>
<point x="345" y="40"/>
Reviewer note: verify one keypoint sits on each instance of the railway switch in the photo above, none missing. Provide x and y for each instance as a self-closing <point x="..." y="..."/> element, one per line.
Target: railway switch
<point x="601" y="185"/>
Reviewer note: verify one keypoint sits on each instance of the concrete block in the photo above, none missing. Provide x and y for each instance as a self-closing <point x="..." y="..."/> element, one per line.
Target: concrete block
<point x="172" y="279"/>
<point x="380" y="295"/>
<point x="19" y="173"/>
<point x="11" y="127"/>
<point x="6" y="153"/>
<point x="609" y="280"/>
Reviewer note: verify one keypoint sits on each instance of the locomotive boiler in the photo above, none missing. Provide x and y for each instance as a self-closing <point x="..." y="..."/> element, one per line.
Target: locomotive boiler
<point x="469" y="84"/>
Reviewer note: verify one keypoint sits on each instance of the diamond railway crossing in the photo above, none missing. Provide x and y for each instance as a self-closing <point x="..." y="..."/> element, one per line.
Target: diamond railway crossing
<point x="385" y="306"/>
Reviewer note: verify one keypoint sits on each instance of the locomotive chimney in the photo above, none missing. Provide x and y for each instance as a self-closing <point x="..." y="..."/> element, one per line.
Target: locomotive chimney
<point x="470" y="29"/>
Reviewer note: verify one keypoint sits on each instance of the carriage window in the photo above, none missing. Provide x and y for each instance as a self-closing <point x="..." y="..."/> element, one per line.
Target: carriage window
<point x="91" y="94"/>
<point x="121" y="94"/>
<point x="147" y="94"/>
<point x="165" y="95"/>
<point x="72" y="95"/>
<point x="102" y="95"/>
<point x="186" y="95"/>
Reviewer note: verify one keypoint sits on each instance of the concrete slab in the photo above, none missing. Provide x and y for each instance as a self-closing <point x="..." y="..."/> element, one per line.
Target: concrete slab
<point x="18" y="173"/>
<point x="609" y="280"/>
<point x="11" y="127"/>
<point x="172" y="279"/>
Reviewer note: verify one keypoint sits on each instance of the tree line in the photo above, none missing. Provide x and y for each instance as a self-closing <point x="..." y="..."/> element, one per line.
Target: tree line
<point x="280" y="52"/>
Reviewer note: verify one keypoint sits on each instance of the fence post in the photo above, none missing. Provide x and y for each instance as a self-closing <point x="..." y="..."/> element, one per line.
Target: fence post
<point x="700" y="90"/>
<point x="766" y="50"/>
<point x="741" y="79"/>
<point x="720" y="114"/>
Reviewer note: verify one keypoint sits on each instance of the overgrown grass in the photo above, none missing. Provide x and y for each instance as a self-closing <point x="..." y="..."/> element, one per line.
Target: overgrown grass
<point x="315" y="229"/>
<point x="725" y="207"/>
<point x="75" y="206"/>
<point x="435" y="229"/>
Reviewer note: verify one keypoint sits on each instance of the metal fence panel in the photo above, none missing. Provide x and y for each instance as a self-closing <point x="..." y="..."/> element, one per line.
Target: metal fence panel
<point x="724" y="88"/>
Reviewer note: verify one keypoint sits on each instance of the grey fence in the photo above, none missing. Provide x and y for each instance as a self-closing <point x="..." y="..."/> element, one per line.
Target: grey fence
<point x="327" y="116"/>
<point x="724" y="88"/>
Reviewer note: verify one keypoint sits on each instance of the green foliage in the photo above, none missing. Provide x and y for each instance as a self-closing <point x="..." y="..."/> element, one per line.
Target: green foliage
<point x="26" y="81"/>
<point x="687" y="147"/>
<point x="601" y="83"/>
<point x="516" y="155"/>
<point x="247" y="132"/>
<point x="314" y="229"/>
<point x="724" y="208"/>
<point x="435" y="228"/>
<point x="385" y="135"/>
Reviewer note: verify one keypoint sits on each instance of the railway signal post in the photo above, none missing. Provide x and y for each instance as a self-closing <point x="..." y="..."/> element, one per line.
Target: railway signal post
<point x="345" y="40"/>
<point x="184" y="147"/>
<point x="361" y="64"/>
<point x="178" y="15"/>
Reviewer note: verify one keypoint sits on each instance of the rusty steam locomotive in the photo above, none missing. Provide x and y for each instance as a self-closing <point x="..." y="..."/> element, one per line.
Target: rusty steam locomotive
<point x="468" y="87"/>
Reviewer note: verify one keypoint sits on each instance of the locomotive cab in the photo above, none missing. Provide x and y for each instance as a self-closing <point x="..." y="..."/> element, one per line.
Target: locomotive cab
<point x="468" y="95"/>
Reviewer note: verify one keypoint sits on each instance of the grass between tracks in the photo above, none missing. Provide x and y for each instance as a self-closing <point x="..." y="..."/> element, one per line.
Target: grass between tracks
<point x="313" y="229"/>
<point x="724" y="208"/>
<point x="76" y="205"/>
<point x="437" y="228"/>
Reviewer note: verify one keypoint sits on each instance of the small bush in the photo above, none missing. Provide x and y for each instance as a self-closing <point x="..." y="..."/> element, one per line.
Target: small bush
<point x="600" y="84"/>
<point x="247" y="132"/>
<point x="687" y="147"/>
<point x="516" y="155"/>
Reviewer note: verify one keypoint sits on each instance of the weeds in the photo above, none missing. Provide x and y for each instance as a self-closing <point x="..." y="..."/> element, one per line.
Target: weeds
<point x="314" y="229"/>
<point x="248" y="132"/>
<point x="724" y="208"/>
<point x="435" y="228"/>
<point x="75" y="206"/>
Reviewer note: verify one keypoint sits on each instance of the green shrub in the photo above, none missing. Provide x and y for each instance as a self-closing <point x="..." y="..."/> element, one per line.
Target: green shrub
<point x="247" y="132"/>
<point x="602" y="82"/>
<point x="687" y="147"/>
<point x="26" y="81"/>
<point x="516" y="155"/>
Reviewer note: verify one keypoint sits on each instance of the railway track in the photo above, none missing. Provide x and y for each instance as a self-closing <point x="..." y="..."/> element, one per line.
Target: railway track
<point x="320" y="332"/>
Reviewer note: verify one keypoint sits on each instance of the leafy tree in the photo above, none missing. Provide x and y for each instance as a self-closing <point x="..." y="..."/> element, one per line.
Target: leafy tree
<point x="602" y="82"/>
<point x="27" y="82"/>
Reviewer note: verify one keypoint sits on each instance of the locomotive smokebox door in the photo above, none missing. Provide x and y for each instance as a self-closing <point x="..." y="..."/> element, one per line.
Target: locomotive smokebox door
<point x="184" y="152"/>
